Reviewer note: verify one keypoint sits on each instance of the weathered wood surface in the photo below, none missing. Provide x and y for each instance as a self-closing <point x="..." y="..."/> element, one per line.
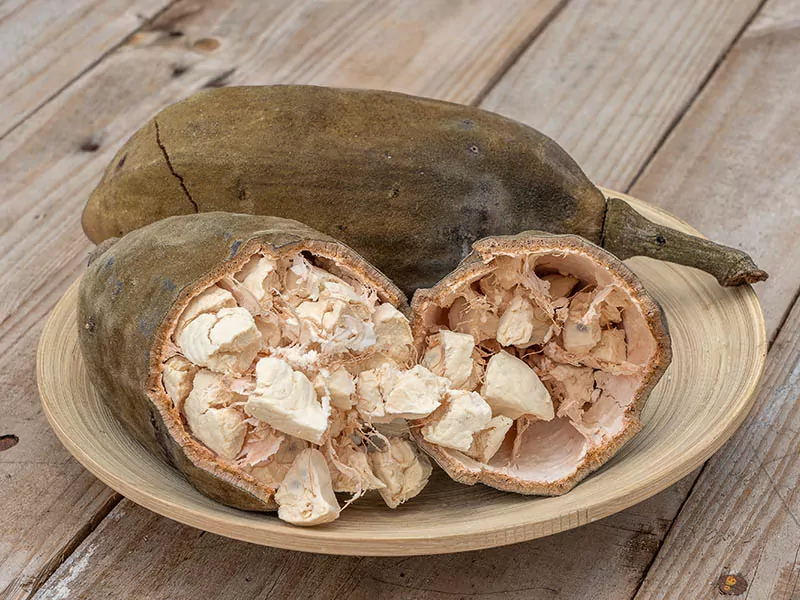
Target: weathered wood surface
<point x="737" y="149"/>
<point x="45" y="44"/>
<point x="607" y="78"/>
<point x="731" y="166"/>
<point x="743" y="516"/>
<point x="658" y="53"/>
<point x="135" y="553"/>
<point x="52" y="160"/>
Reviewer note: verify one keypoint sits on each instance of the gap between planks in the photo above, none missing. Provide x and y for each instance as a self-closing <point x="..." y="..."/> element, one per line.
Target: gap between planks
<point x="144" y="22"/>
<point x="685" y="109"/>
<point x="517" y="53"/>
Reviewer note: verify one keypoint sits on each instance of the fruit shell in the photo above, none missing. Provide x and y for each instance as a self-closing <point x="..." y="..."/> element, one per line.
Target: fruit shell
<point x="409" y="182"/>
<point x="130" y="298"/>
<point x="467" y="471"/>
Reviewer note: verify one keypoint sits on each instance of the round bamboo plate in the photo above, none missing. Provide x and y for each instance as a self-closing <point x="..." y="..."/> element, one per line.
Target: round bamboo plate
<point x="719" y="347"/>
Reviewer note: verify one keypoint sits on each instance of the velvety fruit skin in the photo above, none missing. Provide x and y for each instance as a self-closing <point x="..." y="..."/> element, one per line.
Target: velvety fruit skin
<point x="133" y="292"/>
<point x="409" y="182"/>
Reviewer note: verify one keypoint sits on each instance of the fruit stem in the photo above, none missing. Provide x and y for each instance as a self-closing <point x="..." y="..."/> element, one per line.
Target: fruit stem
<point x="626" y="233"/>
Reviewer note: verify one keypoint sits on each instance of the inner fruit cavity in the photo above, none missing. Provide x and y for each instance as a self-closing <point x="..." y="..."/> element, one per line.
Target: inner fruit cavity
<point x="285" y="369"/>
<point x="547" y="351"/>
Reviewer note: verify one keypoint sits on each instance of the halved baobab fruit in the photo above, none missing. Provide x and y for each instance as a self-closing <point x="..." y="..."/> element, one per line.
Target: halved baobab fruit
<point x="551" y="346"/>
<point x="258" y="356"/>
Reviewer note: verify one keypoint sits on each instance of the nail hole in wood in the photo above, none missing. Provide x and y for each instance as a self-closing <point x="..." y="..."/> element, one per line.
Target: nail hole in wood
<point x="90" y="145"/>
<point x="206" y="44"/>
<point x="8" y="441"/>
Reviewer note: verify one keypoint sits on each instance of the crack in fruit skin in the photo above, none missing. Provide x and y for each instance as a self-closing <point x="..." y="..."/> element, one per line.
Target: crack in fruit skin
<point x="401" y="179"/>
<point x="169" y="165"/>
<point x="235" y="149"/>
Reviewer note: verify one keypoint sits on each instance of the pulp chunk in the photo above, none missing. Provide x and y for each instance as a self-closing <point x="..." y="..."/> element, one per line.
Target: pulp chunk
<point x="393" y="332"/>
<point x="475" y="316"/>
<point x="286" y="400"/>
<point x="516" y="324"/>
<point x="226" y="341"/>
<point x="211" y="300"/>
<point x="487" y="442"/>
<point x="334" y="323"/>
<point x="611" y="347"/>
<point x="403" y="471"/>
<point x="560" y="285"/>
<point x="372" y="387"/>
<point x="513" y="389"/>
<point x="449" y="355"/>
<point x="387" y="393"/>
<point x="272" y="472"/>
<point x="338" y="385"/>
<point x="415" y="393"/>
<point x="259" y="277"/>
<point x="305" y="496"/>
<point x="351" y="471"/>
<point x="454" y="425"/>
<point x="177" y="376"/>
<point x="220" y="428"/>
<point x="581" y="332"/>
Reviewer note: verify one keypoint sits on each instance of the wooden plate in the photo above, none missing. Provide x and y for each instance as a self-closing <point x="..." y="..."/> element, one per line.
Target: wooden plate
<point x="719" y="346"/>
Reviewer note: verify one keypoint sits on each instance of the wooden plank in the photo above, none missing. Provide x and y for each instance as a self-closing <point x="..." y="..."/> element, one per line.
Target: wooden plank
<point x="743" y="516"/>
<point x="50" y="163"/>
<point x="607" y="79"/>
<point x="730" y="167"/>
<point x="135" y="550"/>
<point x="45" y="44"/>
<point x="736" y="149"/>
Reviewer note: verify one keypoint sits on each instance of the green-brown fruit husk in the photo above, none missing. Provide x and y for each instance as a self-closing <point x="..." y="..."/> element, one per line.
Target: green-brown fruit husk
<point x="408" y="182"/>
<point x="132" y="294"/>
<point x="429" y="309"/>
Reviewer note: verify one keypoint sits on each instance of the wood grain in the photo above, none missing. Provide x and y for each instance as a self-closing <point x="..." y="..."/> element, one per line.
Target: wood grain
<point x="737" y="148"/>
<point x="730" y="167"/>
<point x="44" y="44"/>
<point x="606" y="79"/>
<point x="718" y="343"/>
<point x="51" y="161"/>
<point x="743" y="516"/>
<point x="135" y="550"/>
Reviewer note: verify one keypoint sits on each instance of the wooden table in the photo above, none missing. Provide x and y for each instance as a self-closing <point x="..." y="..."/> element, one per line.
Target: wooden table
<point x="691" y="104"/>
